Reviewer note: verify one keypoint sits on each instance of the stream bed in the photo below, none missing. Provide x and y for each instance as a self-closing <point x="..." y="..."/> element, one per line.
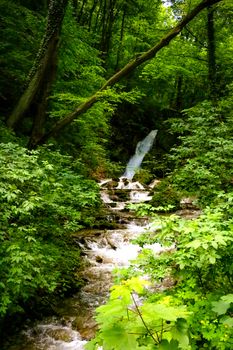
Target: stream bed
<point x="103" y="251"/>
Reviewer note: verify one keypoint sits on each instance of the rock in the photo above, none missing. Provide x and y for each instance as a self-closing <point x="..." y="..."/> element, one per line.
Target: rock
<point x="60" y="334"/>
<point x="189" y="203"/>
<point x="99" y="259"/>
<point x="85" y="325"/>
<point x="154" y="183"/>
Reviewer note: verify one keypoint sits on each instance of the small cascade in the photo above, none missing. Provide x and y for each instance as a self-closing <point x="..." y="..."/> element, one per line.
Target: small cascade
<point x="103" y="250"/>
<point x="117" y="195"/>
<point x="142" y="149"/>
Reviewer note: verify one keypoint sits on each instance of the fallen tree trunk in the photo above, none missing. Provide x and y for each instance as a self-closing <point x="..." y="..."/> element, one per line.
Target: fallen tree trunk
<point x="128" y="68"/>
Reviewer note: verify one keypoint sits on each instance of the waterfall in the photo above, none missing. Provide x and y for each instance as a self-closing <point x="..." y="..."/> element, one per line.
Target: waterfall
<point x="142" y="149"/>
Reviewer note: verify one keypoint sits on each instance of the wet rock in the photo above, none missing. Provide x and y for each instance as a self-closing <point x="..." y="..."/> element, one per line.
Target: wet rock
<point x="123" y="183"/>
<point x="99" y="259"/>
<point x="85" y="325"/>
<point x="189" y="213"/>
<point x="59" y="334"/>
<point x="122" y="194"/>
<point x="154" y="183"/>
<point x="189" y="203"/>
<point x="108" y="184"/>
<point x="111" y="243"/>
<point x="113" y="204"/>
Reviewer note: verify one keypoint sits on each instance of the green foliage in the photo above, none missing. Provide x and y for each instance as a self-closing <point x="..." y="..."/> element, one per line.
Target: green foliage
<point x="143" y="176"/>
<point x="166" y="195"/>
<point x="204" y="157"/>
<point x="43" y="201"/>
<point x="201" y="269"/>
<point x="128" y="322"/>
<point x="20" y="33"/>
<point x="44" y="198"/>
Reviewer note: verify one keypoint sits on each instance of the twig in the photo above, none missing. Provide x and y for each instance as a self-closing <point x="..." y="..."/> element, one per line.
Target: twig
<point x="145" y="325"/>
<point x="161" y="333"/>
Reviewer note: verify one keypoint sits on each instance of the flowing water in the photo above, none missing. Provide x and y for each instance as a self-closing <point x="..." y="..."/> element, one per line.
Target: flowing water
<point x="142" y="149"/>
<point x="103" y="250"/>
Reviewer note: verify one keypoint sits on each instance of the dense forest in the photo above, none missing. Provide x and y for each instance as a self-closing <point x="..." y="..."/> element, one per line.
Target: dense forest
<point x="82" y="81"/>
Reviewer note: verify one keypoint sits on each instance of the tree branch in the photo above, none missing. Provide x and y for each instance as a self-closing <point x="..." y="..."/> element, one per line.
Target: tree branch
<point x="144" y="323"/>
<point x="128" y="68"/>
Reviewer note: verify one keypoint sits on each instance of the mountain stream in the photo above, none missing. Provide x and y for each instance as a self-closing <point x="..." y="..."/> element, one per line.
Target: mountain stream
<point x="103" y="250"/>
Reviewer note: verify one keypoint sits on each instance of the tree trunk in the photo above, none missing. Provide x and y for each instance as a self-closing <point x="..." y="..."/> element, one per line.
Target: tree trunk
<point x="211" y="53"/>
<point x="97" y="25"/>
<point x="128" y="68"/>
<point x="178" y="101"/>
<point x="91" y="14"/>
<point x="121" y="39"/>
<point x="42" y="98"/>
<point x="80" y="15"/>
<point x="42" y="74"/>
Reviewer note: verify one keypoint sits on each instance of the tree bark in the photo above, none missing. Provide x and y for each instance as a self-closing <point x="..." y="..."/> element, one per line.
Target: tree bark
<point x="42" y="74"/>
<point x="121" y="39"/>
<point x="178" y="104"/>
<point x="42" y="98"/>
<point x="95" y="2"/>
<point x="80" y="15"/>
<point x="211" y="53"/>
<point x="128" y="68"/>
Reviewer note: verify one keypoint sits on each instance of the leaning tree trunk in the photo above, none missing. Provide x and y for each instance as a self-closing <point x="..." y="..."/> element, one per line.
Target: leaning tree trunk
<point x="42" y="74"/>
<point x="128" y="68"/>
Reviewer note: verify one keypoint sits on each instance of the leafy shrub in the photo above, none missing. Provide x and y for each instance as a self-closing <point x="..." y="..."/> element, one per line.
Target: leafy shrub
<point x="42" y="201"/>
<point x="204" y="157"/>
<point x="143" y="175"/>
<point x="166" y="195"/>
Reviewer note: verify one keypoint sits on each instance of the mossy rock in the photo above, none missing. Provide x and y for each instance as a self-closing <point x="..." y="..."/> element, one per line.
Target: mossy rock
<point x="122" y="194"/>
<point x="144" y="176"/>
<point x="166" y="196"/>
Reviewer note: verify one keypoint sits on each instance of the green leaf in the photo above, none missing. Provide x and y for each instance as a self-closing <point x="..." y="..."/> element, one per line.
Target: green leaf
<point x="166" y="345"/>
<point x="194" y="244"/>
<point x="228" y="321"/>
<point x="212" y="260"/>
<point x="117" y="338"/>
<point x="152" y="311"/>
<point x="227" y="298"/>
<point x="220" y="307"/>
<point x="111" y="312"/>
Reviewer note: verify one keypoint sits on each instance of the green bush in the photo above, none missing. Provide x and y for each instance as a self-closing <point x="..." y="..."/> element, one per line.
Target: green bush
<point x="42" y="201"/>
<point x="144" y="176"/>
<point x="166" y="195"/>
<point x="203" y="158"/>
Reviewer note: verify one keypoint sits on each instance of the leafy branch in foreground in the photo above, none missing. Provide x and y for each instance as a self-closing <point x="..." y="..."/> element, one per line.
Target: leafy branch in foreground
<point x="129" y="322"/>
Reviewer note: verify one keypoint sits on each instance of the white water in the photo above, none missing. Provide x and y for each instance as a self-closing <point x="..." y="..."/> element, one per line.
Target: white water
<point x="142" y="149"/>
<point x="46" y="338"/>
